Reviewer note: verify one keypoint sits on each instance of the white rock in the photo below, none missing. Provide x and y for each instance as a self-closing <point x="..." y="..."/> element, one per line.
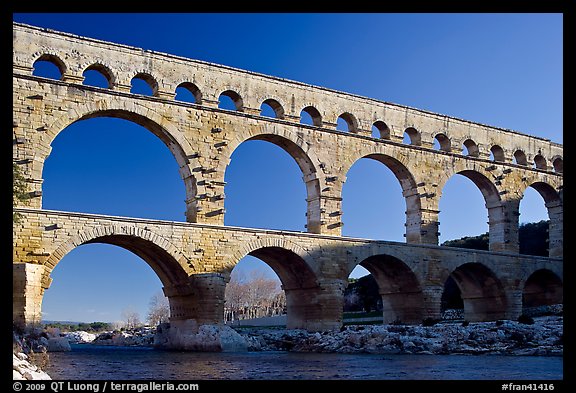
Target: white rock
<point x="80" y="337"/>
<point x="22" y="369"/>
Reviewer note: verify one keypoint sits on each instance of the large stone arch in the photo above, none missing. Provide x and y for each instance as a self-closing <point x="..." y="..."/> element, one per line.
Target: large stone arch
<point x="305" y="158"/>
<point x="170" y="265"/>
<point x="400" y="168"/>
<point x="308" y="265"/>
<point x="399" y="287"/>
<point x="554" y="205"/>
<point x="498" y="210"/>
<point x="543" y="287"/>
<point x="482" y="292"/>
<point x="298" y="273"/>
<point x="167" y="261"/>
<point x="148" y="118"/>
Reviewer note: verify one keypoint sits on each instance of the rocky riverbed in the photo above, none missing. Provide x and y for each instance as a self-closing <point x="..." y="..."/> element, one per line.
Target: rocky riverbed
<point x="543" y="337"/>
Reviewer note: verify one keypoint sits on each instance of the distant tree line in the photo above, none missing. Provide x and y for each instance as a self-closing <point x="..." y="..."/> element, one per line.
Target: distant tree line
<point x="92" y="327"/>
<point x="533" y="239"/>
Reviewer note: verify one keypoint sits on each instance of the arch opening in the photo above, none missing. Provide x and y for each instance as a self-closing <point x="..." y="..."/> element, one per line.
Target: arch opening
<point x="540" y="162"/>
<point x="542" y="293"/>
<point x="282" y="202"/>
<point x="311" y="116"/>
<point x="49" y="66"/>
<point x="481" y="291"/>
<point x="497" y="154"/>
<point x="254" y="291"/>
<point x="272" y="108"/>
<point x="188" y="92"/>
<point x="451" y="303"/>
<point x="298" y="282"/>
<point x="470" y="148"/>
<point x="389" y="179"/>
<point x="463" y="214"/>
<point x="540" y="229"/>
<point x="558" y="164"/>
<point x="380" y="130"/>
<point x="412" y="137"/>
<point x="144" y="84"/>
<point x="347" y="122"/>
<point x="126" y="178"/>
<point x="520" y="158"/>
<point x="78" y="279"/>
<point x="442" y="142"/>
<point x="98" y="75"/>
<point x="231" y="100"/>
<point x="399" y="292"/>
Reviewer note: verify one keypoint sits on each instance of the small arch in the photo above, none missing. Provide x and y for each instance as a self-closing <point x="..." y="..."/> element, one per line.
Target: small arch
<point x="558" y="164"/>
<point x="444" y="143"/>
<point x="482" y="292"/>
<point x="540" y="162"/>
<point x="272" y="108"/>
<point x="49" y="66"/>
<point x="188" y="92"/>
<point x="144" y="84"/>
<point x="380" y="130"/>
<point x="231" y="100"/>
<point x="347" y="122"/>
<point x="520" y="158"/>
<point x="399" y="287"/>
<point x="412" y="136"/>
<point x="497" y="153"/>
<point x="542" y="288"/>
<point x="311" y="116"/>
<point x="98" y="75"/>
<point x="470" y="148"/>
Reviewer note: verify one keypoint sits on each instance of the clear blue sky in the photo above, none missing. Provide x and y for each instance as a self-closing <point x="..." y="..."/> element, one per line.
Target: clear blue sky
<point x="503" y="70"/>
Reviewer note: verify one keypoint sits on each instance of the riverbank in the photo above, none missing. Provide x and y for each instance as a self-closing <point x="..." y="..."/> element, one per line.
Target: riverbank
<point x="542" y="338"/>
<point x="26" y="364"/>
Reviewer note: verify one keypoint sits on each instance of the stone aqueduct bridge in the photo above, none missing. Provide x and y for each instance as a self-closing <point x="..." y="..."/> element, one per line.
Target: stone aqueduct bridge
<point x="194" y="259"/>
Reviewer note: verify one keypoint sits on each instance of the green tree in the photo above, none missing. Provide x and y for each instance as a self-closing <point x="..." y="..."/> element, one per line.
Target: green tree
<point x="19" y="190"/>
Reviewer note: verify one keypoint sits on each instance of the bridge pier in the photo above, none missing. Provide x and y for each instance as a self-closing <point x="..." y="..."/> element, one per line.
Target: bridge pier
<point x="315" y="309"/>
<point x="483" y="308"/>
<point x="432" y="301"/>
<point x="405" y="307"/>
<point x="28" y="290"/>
<point x="197" y="317"/>
<point x="513" y="303"/>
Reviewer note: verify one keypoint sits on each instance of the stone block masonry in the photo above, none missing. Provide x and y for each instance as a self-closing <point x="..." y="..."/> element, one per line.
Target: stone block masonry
<point x="194" y="259"/>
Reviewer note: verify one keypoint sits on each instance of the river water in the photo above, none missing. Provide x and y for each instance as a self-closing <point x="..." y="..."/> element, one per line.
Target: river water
<point x="91" y="362"/>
